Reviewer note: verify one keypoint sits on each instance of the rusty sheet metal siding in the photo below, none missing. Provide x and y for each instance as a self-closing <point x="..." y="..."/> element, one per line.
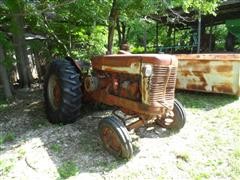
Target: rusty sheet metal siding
<point x="218" y="73"/>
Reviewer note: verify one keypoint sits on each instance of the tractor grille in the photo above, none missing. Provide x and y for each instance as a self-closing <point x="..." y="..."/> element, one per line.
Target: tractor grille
<point x="162" y="86"/>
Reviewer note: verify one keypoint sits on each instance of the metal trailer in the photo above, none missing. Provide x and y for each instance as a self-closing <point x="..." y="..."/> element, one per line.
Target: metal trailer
<point x="216" y="73"/>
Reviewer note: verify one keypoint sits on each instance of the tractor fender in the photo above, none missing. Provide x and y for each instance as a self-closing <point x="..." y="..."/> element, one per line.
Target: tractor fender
<point x="78" y="64"/>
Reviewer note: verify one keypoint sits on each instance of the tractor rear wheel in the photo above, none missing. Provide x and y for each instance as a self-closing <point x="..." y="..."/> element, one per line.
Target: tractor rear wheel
<point x="174" y="120"/>
<point x="62" y="92"/>
<point x="115" y="137"/>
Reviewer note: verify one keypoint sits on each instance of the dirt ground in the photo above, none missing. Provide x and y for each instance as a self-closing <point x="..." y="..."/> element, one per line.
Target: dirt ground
<point x="206" y="148"/>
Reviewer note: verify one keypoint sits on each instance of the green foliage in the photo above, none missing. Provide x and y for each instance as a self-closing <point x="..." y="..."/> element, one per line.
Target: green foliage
<point x="8" y="137"/>
<point x="79" y="28"/>
<point x="21" y="153"/>
<point x="220" y="33"/>
<point x="3" y="102"/>
<point x="67" y="170"/>
<point x="56" y="148"/>
<point x="204" y="6"/>
<point x="6" y="166"/>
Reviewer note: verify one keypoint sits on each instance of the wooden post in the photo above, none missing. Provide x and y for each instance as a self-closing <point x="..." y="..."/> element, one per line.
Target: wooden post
<point x="210" y="39"/>
<point x="199" y="32"/>
<point x="174" y="38"/>
<point x="157" y="29"/>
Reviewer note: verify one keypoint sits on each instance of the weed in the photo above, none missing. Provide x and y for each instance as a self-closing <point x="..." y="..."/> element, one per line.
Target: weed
<point x="183" y="156"/>
<point x="39" y="123"/>
<point x="3" y="105"/>
<point x="67" y="170"/>
<point x="56" y="148"/>
<point x="6" y="166"/>
<point x="8" y="137"/>
<point x="201" y="176"/>
<point x="21" y="153"/>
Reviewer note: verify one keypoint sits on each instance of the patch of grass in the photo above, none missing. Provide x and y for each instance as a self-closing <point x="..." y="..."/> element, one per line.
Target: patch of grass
<point x="108" y="166"/>
<point x="56" y="148"/>
<point x="6" y="166"/>
<point x="183" y="156"/>
<point x="21" y="153"/>
<point x="88" y="145"/>
<point x="67" y="170"/>
<point x="235" y="164"/>
<point x="205" y="101"/>
<point x="3" y="105"/>
<point x="202" y="176"/>
<point x="39" y="123"/>
<point x="7" y="138"/>
<point x="236" y="153"/>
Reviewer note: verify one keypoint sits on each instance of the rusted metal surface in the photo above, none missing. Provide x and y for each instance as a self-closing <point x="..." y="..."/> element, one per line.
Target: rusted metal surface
<point x="217" y="73"/>
<point x="163" y="86"/>
<point x="111" y="140"/>
<point x="54" y="92"/>
<point x="137" y="84"/>
<point x="135" y="125"/>
<point x="130" y="63"/>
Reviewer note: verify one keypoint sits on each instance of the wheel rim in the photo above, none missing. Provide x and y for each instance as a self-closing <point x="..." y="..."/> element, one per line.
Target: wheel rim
<point x="111" y="141"/>
<point x="168" y="121"/>
<point x="54" y="92"/>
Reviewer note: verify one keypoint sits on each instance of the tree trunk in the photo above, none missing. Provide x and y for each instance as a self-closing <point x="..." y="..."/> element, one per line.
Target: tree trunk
<point x="123" y="32"/>
<point x="4" y="76"/>
<point x="145" y="40"/>
<point x="119" y="33"/>
<point x="111" y="25"/>
<point x="38" y="65"/>
<point x="19" y="43"/>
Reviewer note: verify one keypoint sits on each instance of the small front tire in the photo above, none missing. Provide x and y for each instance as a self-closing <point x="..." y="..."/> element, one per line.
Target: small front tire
<point x="115" y="138"/>
<point x="174" y="120"/>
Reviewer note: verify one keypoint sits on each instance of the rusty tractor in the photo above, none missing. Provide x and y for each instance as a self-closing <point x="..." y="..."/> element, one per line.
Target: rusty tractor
<point x="140" y="86"/>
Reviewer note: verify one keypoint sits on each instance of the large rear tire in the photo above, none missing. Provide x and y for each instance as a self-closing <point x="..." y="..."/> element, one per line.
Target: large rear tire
<point x="62" y="92"/>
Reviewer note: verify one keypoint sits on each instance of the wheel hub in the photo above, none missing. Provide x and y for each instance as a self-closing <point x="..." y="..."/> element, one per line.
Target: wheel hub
<point x="54" y="92"/>
<point x="111" y="140"/>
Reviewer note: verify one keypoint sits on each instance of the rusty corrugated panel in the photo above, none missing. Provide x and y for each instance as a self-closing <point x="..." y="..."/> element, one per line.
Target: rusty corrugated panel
<point x="218" y="73"/>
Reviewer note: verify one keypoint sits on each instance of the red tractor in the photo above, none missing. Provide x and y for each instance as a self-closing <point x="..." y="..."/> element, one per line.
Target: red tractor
<point x="141" y="86"/>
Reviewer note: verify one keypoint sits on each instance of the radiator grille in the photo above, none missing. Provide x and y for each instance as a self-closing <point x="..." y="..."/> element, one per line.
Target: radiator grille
<point x="162" y="86"/>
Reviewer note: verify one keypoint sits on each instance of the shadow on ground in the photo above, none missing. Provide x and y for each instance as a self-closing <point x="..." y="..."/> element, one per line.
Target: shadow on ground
<point x="206" y="101"/>
<point x="47" y="147"/>
<point x="44" y="142"/>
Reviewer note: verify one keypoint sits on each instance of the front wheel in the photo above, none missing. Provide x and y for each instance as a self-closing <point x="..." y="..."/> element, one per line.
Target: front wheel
<point x="62" y="92"/>
<point x="174" y="120"/>
<point x="115" y="137"/>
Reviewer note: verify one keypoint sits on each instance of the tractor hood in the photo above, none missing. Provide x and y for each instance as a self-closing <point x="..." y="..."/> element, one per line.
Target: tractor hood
<point x="131" y="63"/>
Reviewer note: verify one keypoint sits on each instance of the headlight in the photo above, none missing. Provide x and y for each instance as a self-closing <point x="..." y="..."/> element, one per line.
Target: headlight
<point x="147" y="70"/>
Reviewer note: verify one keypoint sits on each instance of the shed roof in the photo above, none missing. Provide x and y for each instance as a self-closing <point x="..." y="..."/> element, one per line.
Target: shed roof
<point x="229" y="9"/>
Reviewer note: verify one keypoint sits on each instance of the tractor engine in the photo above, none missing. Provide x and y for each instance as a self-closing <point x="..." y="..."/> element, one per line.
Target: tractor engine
<point x="121" y="85"/>
<point x="142" y="84"/>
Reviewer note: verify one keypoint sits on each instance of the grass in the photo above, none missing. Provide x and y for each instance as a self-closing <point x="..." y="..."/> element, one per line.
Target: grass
<point x="67" y="170"/>
<point x="218" y="133"/>
<point x="21" y="153"/>
<point x="208" y="147"/>
<point x="6" y="166"/>
<point x="8" y="137"/>
<point x="3" y="105"/>
<point x="204" y="101"/>
<point x="56" y="148"/>
<point x="39" y="123"/>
